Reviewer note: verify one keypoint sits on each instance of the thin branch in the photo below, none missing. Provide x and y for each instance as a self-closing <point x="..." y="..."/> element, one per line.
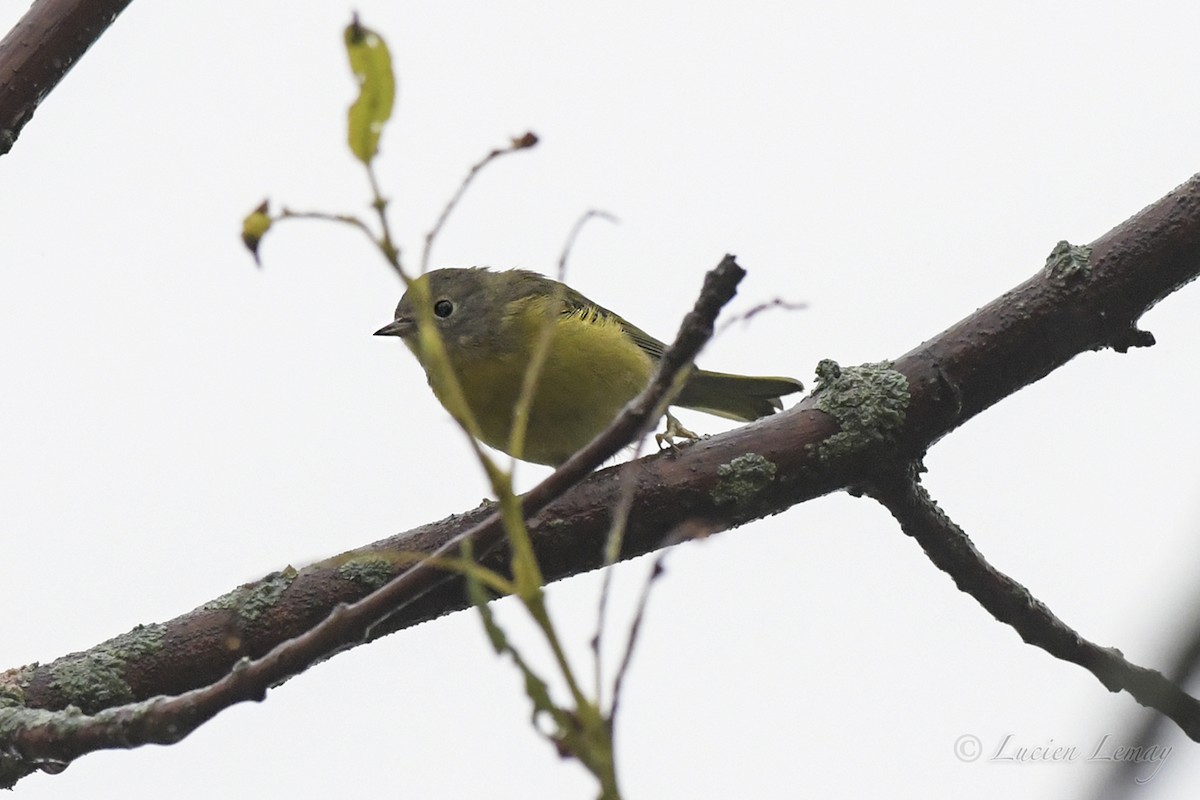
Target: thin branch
<point x="754" y="311"/>
<point x="533" y="373"/>
<point x="612" y="551"/>
<point x="1150" y="729"/>
<point x="387" y="245"/>
<point x="574" y="234"/>
<point x="949" y="548"/>
<point x="341" y="219"/>
<point x="524" y="142"/>
<point x="656" y="572"/>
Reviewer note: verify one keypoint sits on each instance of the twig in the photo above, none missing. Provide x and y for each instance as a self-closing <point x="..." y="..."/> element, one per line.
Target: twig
<point x="612" y="551"/>
<point x="949" y="548"/>
<point x="574" y="234"/>
<point x="529" y="139"/>
<point x="343" y="219"/>
<point x="1150" y="729"/>
<point x="387" y="245"/>
<point x="754" y="311"/>
<point x="533" y="373"/>
<point x="656" y="572"/>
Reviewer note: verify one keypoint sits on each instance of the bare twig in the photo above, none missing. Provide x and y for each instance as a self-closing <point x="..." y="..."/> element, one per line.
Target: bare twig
<point x="754" y="311"/>
<point x="1150" y="729"/>
<point x="574" y="234"/>
<point x="524" y="142"/>
<point x="387" y="245"/>
<point x="533" y="372"/>
<point x="949" y="548"/>
<point x="635" y="628"/>
<point x="612" y="551"/>
<point x="342" y="219"/>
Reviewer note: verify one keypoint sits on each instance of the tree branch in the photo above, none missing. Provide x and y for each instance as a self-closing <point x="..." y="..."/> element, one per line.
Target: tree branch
<point x="1004" y="346"/>
<point x="40" y="49"/>
<point x="1008" y="601"/>
<point x="1083" y="299"/>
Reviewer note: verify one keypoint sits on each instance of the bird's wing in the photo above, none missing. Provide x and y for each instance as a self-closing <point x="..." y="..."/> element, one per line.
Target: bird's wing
<point x="576" y="304"/>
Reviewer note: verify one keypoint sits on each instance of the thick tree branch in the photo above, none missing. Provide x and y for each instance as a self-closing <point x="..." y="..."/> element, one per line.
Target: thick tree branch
<point x="1004" y="346"/>
<point x="40" y="49"/>
<point x="890" y="412"/>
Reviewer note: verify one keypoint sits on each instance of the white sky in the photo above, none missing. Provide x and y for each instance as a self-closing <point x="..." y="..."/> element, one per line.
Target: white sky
<point x="177" y="422"/>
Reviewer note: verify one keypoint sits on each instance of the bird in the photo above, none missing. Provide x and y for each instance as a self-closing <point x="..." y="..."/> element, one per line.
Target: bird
<point x="490" y="322"/>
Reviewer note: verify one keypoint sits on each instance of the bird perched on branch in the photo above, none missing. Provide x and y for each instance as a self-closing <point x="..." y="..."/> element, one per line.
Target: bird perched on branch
<point x="493" y="323"/>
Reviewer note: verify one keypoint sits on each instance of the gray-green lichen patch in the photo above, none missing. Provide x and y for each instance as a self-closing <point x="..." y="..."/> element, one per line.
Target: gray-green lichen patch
<point x="95" y="678"/>
<point x="15" y="720"/>
<point x="1068" y="262"/>
<point x="742" y="478"/>
<point x="12" y="684"/>
<point x="370" y="571"/>
<point x="251" y="600"/>
<point x="868" y="401"/>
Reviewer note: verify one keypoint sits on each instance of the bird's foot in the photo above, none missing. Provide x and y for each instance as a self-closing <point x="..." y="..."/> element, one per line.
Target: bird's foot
<point x="675" y="431"/>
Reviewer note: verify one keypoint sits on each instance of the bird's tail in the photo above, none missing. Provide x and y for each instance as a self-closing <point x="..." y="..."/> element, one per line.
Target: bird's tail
<point x="740" y="397"/>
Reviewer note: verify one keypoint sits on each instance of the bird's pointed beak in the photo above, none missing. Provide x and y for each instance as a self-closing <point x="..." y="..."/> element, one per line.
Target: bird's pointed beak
<point x="401" y="326"/>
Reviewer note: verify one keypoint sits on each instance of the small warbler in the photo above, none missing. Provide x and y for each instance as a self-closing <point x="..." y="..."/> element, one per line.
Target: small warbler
<point x="596" y="362"/>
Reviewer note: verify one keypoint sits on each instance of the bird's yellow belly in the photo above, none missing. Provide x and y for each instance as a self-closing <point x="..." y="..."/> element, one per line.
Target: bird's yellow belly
<point x="591" y="371"/>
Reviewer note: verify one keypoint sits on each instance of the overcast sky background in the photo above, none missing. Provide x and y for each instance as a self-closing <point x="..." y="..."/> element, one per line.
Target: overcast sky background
<point x="177" y="422"/>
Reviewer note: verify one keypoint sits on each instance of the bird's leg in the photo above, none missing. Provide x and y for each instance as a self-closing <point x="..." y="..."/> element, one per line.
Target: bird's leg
<point x="675" y="430"/>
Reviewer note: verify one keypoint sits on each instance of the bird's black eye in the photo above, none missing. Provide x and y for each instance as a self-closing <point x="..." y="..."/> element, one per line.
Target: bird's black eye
<point x="443" y="308"/>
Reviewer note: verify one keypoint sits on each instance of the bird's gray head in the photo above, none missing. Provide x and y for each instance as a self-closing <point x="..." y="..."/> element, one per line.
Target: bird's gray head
<point x="468" y="304"/>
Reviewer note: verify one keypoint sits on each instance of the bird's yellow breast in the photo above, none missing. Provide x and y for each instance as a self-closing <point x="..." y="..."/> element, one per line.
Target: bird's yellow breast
<point x="592" y="368"/>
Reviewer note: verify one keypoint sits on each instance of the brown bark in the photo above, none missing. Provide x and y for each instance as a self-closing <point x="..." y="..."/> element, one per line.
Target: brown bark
<point x="39" y="51"/>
